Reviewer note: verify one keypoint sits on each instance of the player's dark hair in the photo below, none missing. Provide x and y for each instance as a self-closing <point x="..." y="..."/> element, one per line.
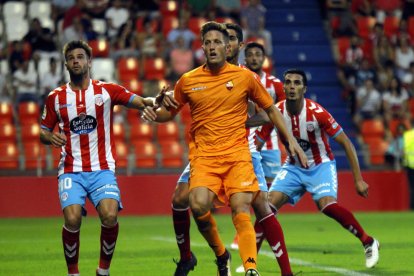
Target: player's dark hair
<point x="214" y="26"/>
<point x="76" y="44"/>
<point x="299" y="72"/>
<point x="237" y="29"/>
<point x="253" y="44"/>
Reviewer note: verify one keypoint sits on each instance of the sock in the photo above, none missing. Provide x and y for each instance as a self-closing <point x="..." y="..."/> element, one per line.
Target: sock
<point x="247" y="243"/>
<point x="70" y="241"/>
<point x="259" y="234"/>
<point x="208" y="228"/>
<point x="274" y="235"/>
<point x="348" y="221"/>
<point x="181" y="221"/>
<point x="109" y="236"/>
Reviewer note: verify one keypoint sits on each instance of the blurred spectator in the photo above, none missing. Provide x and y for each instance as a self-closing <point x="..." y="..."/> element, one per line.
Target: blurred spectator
<point x="228" y="8"/>
<point x="384" y="8"/>
<point x="404" y="55"/>
<point x="149" y="42"/>
<point x="59" y="8"/>
<point x="362" y="8"/>
<point x="76" y="11"/>
<point x="342" y="10"/>
<point x="395" y="102"/>
<point x="183" y="31"/>
<point x="368" y="103"/>
<point x="41" y="40"/>
<point x="395" y="151"/>
<point x="126" y="41"/>
<point x="76" y="31"/>
<point x="116" y="16"/>
<point x="25" y="84"/>
<point x="50" y="80"/>
<point x="199" y="7"/>
<point x="365" y="72"/>
<point x="147" y="8"/>
<point x="16" y="57"/>
<point x="96" y="8"/>
<point x="253" y="23"/>
<point x="402" y="33"/>
<point x="385" y="75"/>
<point x="4" y="91"/>
<point x="377" y="33"/>
<point x="408" y="9"/>
<point x="408" y="80"/>
<point x="383" y="52"/>
<point x="181" y="60"/>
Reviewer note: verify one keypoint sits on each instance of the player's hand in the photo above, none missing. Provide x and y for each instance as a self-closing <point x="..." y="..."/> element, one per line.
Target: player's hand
<point x="160" y="97"/>
<point x="258" y="143"/>
<point x="295" y="150"/>
<point x="58" y="139"/>
<point x="169" y="101"/>
<point x="149" y="114"/>
<point x="362" y="188"/>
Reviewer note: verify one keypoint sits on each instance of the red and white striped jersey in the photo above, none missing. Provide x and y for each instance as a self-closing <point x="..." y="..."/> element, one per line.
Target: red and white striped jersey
<point x="85" y="117"/>
<point x="275" y="88"/>
<point x="310" y="128"/>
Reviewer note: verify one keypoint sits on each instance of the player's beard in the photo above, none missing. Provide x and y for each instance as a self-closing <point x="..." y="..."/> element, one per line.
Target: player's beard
<point x="78" y="77"/>
<point x="230" y="58"/>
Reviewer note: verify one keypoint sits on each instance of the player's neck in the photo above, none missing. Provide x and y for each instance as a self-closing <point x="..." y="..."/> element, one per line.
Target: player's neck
<point x="294" y="107"/>
<point x="215" y="68"/>
<point x="234" y="61"/>
<point x="81" y="83"/>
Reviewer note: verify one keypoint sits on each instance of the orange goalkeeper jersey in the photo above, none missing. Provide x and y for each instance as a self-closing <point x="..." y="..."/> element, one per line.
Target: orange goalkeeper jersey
<point x="218" y="104"/>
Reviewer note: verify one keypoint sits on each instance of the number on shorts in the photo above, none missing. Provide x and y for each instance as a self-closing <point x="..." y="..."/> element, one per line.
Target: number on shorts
<point x="65" y="184"/>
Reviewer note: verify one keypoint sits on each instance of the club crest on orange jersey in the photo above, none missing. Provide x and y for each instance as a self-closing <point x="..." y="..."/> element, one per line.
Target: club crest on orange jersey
<point x="229" y="85"/>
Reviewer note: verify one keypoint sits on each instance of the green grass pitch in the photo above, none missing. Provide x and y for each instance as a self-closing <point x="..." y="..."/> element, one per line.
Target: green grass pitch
<point x="317" y="246"/>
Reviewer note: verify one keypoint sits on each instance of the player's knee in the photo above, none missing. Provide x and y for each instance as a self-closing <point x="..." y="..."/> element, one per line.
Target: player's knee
<point x="277" y="199"/>
<point x="261" y="206"/>
<point x="109" y="219"/>
<point x="72" y="222"/>
<point x="180" y="199"/>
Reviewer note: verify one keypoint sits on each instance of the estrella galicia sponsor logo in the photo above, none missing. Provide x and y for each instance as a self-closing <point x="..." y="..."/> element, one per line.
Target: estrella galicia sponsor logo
<point x="305" y="145"/>
<point x="83" y="124"/>
<point x="250" y="260"/>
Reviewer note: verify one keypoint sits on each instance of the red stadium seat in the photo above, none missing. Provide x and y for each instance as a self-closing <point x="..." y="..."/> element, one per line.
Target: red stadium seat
<point x="172" y="155"/>
<point x="8" y="133"/>
<point x="195" y="23"/>
<point x="364" y="25"/>
<point x="6" y="113"/>
<point x="133" y="116"/>
<point x="100" y="47"/>
<point x="141" y="132"/>
<point x="30" y="133"/>
<point x="133" y="85"/>
<point x="168" y="131"/>
<point x="372" y="128"/>
<point x="343" y="44"/>
<point x="118" y="132"/>
<point x="411" y="27"/>
<point x="377" y="148"/>
<point x="122" y="150"/>
<point x="394" y="123"/>
<point x="154" y="69"/>
<point x="168" y="23"/>
<point x="145" y="154"/>
<point x="34" y="155"/>
<point x="169" y="8"/>
<point x="391" y="25"/>
<point x="9" y="155"/>
<point x="29" y="113"/>
<point x="127" y="68"/>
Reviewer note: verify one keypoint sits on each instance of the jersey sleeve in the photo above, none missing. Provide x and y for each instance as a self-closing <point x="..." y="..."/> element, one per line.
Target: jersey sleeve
<point x="119" y="94"/>
<point x="258" y="92"/>
<point x="327" y="122"/>
<point x="280" y="93"/>
<point x="49" y="115"/>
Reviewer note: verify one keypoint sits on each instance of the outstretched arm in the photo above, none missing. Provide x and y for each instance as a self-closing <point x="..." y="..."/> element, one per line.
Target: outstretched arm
<point x="360" y="185"/>
<point x="292" y="145"/>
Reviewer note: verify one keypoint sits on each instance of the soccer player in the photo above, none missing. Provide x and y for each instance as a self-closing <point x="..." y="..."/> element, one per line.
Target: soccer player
<point x="181" y="217"/>
<point x="310" y="124"/>
<point x="220" y="161"/>
<point x="82" y="109"/>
